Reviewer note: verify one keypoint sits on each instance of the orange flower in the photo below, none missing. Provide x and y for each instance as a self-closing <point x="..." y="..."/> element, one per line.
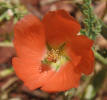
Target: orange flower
<point x="50" y="54"/>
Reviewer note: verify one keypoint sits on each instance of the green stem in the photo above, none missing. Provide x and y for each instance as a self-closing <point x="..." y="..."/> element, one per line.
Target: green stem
<point x="100" y="58"/>
<point x="6" y="72"/>
<point x="6" y="44"/>
<point x="90" y="23"/>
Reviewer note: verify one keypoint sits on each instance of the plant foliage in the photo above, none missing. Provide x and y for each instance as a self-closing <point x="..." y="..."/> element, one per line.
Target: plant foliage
<point x="91" y="22"/>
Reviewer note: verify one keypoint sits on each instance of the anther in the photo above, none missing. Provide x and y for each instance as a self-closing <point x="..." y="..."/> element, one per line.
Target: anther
<point x="53" y="55"/>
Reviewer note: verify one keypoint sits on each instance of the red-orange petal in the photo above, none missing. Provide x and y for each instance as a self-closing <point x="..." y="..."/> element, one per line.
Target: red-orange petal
<point x="31" y="73"/>
<point x="27" y="70"/>
<point x="29" y="38"/>
<point x="44" y="77"/>
<point x="29" y="42"/>
<point x="75" y="58"/>
<point x="64" y="79"/>
<point x="38" y="82"/>
<point x="82" y="45"/>
<point x="60" y="27"/>
<point x="86" y="64"/>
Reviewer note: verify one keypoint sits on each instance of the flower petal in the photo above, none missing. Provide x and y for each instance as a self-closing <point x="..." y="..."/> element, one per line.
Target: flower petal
<point x="86" y="64"/>
<point x="82" y="45"/>
<point x="27" y="70"/>
<point x="60" y="27"/>
<point x="66" y="78"/>
<point x="72" y="55"/>
<point x="31" y="72"/>
<point x="44" y="77"/>
<point x="37" y="83"/>
<point x="29" y="39"/>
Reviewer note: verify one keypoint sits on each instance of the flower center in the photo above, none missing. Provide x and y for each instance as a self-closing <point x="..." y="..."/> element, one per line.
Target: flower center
<point x="55" y="57"/>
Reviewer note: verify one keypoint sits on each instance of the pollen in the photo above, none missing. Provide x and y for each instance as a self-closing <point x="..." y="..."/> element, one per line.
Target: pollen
<point x="53" y="55"/>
